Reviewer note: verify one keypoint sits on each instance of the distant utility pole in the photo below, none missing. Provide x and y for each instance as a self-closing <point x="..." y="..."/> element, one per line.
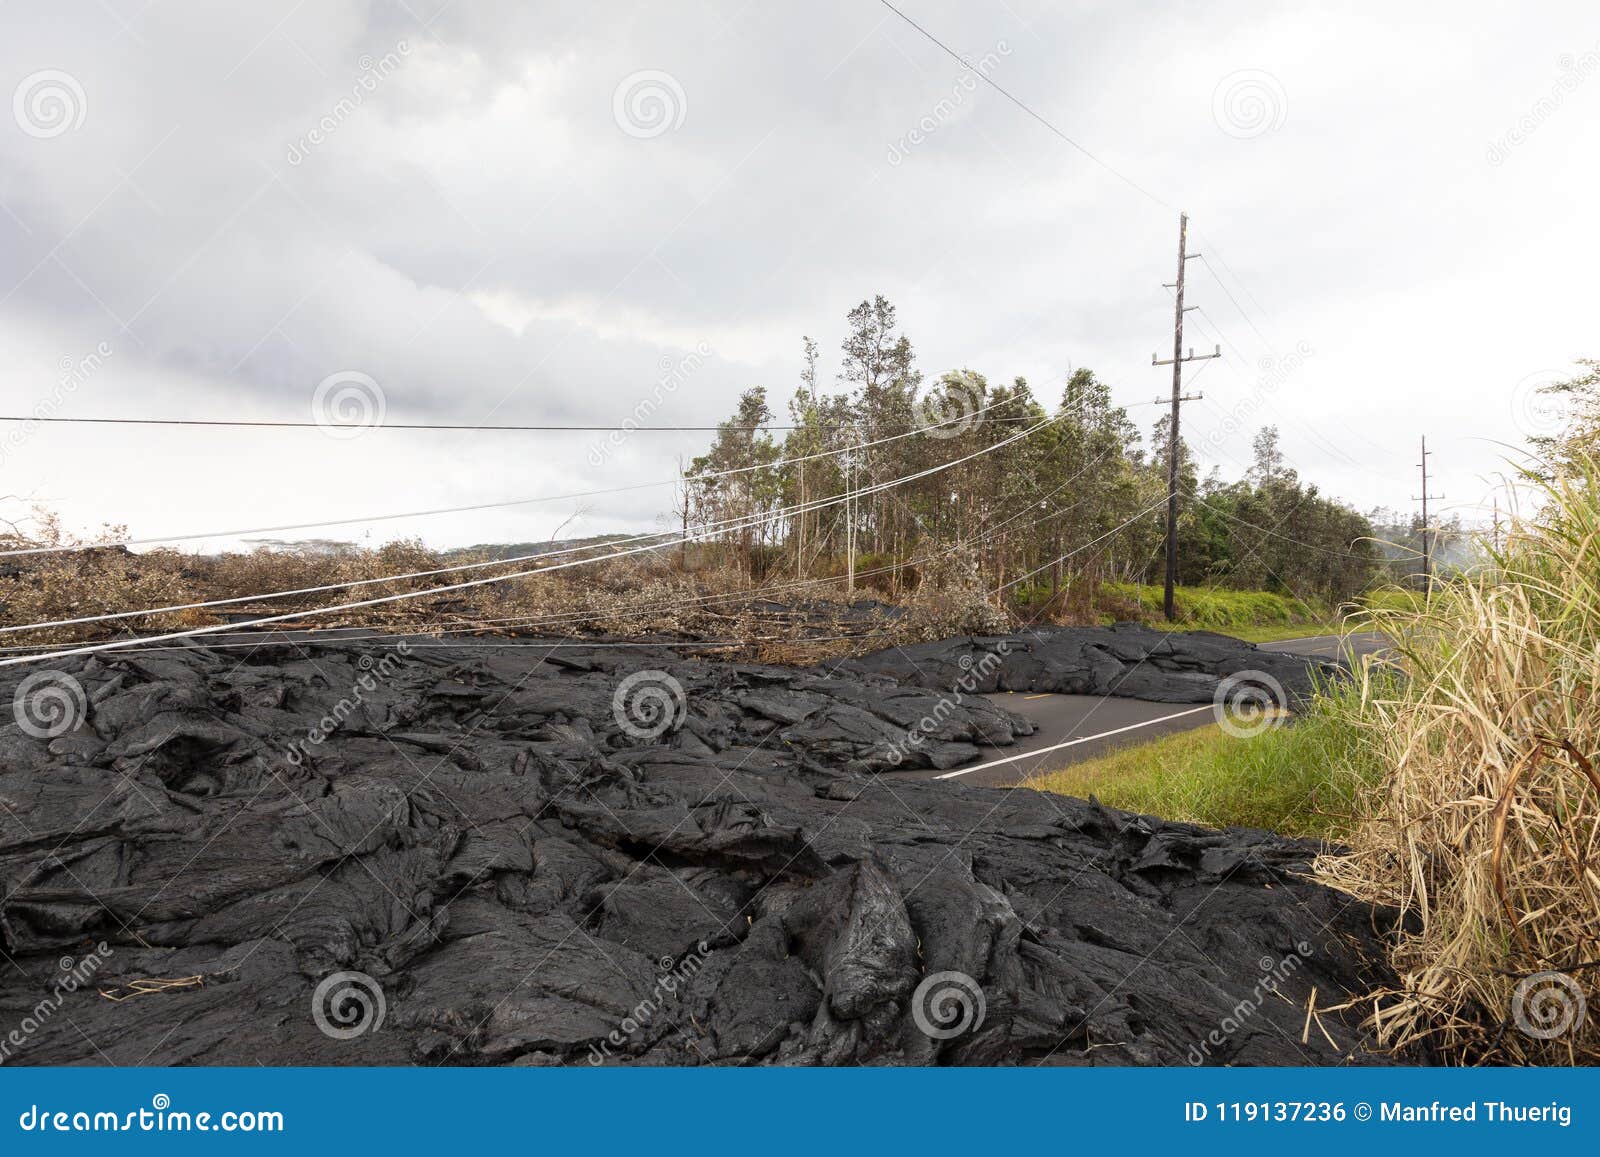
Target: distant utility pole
<point x="1427" y="547"/>
<point x="1178" y="398"/>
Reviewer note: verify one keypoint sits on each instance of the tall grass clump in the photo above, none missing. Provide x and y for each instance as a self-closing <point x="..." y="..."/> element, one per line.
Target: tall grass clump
<point x="1485" y="831"/>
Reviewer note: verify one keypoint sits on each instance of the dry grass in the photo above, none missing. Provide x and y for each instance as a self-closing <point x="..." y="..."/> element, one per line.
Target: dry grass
<point x="1486" y="832"/>
<point x="666" y="594"/>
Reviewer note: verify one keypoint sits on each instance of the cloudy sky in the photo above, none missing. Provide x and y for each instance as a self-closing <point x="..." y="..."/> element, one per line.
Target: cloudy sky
<point x="523" y="212"/>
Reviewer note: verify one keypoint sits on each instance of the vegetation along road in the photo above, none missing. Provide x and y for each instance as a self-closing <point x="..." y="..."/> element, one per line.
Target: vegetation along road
<point x="1073" y="728"/>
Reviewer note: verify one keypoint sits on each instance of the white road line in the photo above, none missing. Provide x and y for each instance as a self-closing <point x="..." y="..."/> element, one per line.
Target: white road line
<point x="1074" y="742"/>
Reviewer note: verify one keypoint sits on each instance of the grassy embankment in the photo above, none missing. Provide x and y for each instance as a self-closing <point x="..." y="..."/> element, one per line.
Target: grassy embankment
<point x="1300" y="780"/>
<point x="1466" y="793"/>
<point x="1255" y="616"/>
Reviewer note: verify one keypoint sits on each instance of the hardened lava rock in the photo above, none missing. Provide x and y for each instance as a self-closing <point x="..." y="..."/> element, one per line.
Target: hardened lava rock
<point x="1129" y="659"/>
<point x="361" y="854"/>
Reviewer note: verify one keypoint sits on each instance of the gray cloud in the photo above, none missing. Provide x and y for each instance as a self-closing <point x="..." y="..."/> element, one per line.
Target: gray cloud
<point x="477" y="233"/>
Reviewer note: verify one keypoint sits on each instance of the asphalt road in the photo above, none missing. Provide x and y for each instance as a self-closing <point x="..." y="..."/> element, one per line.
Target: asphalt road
<point x="1073" y="728"/>
<point x="1332" y="646"/>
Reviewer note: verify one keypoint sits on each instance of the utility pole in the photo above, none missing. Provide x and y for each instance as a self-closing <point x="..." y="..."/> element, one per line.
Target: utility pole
<point x="850" y="523"/>
<point x="1427" y="546"/>
<point x="683" y="544"/>
<point x="1497" y="524"/>
<point x="1173" y="441"/>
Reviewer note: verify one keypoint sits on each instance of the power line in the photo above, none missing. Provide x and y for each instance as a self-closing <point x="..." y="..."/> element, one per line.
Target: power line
<point x="1228" y="293"/>
<point x="248" y="423"/>
<point x="966" y="64"/>
<point x="1345" y="554"/>
<point x="472" y="583"/>
<point x="522" y="621"/>
<point x="509" y="502"/>
<point x="1078" y="550"/>
<point x="702" y="600"/>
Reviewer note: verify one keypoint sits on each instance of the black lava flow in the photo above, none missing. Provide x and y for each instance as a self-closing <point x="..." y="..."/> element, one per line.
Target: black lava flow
<point x="521" y="871"/>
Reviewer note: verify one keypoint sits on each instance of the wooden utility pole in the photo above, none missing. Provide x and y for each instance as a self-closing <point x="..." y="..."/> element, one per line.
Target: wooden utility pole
<point x="809" y="376"/>
<point x="683" y="544"/>
<point x="1427" y="543"/>
<point x="850" y="523"/>
<point x="1173" y="442"/>
<point x="1497" y="524"/>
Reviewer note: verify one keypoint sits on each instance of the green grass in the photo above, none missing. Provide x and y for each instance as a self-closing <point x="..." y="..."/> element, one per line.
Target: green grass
<point x="1207" y="609"/>
<point x="1299" y="778"/>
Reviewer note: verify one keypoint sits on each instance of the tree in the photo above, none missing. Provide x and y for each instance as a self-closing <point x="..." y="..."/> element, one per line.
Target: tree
<point x="1579" y="396"/>
<point x="1059" y="508"/>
